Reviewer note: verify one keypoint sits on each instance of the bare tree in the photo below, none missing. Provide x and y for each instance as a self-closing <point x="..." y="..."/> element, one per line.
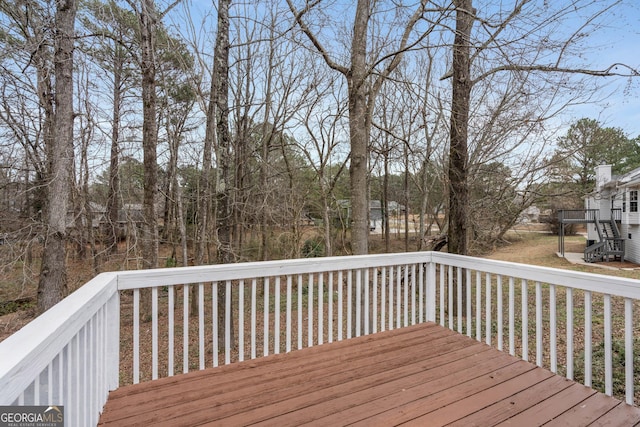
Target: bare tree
<point x="364" y="80"/>
<point x="323" y="122"/>
<point x="387" y="123"/>
<point x="113" y="199"/>
<point x="149" y="22"/>
<point x="406" y="133"/>
<point x="178" y="100"/>
<point x="83" y="213"/>
<point x="523" y="43"/>
<point x="53" y="274"/>
<point x="26" y="114"/>
<point x="219" y="115"/>
<point x="148" y="17"/>
<point x="428" y="153"/>
<point x="458" y="152"/>
<point x="217" y="139"/>
<point x="112" y="50"/>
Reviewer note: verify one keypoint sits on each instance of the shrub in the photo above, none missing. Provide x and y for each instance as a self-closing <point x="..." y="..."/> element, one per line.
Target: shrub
<point x="313" y="248"/>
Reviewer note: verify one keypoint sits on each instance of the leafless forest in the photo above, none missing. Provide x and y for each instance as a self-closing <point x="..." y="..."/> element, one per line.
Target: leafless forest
<point x="194" y="132"/>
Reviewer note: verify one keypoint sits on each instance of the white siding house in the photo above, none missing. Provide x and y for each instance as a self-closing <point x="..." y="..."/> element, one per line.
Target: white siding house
<point x="617" y="198"/>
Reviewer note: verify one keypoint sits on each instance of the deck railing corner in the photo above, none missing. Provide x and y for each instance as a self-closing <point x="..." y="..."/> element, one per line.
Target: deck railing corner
<point x="68" y="356"/>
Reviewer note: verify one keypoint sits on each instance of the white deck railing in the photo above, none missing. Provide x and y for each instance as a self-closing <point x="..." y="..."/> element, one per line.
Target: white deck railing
<point x="67" y="356"/>
<point x="576" y="324"/>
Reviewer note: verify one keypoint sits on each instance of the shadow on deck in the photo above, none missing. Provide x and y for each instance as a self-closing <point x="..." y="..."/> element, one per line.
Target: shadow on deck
<point x="419" y="375"/>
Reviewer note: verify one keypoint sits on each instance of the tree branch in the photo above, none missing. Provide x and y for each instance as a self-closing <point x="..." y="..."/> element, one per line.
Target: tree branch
<point x="607" y="72"/>
<point x="503" y="25"/>
<point x="325" y="55"/>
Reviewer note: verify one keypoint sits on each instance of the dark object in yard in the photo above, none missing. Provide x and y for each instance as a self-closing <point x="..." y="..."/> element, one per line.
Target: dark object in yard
<point x="435" y="243"/>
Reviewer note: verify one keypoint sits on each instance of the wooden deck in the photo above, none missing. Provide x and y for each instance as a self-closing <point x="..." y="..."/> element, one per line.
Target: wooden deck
<point x="424" y="375"/>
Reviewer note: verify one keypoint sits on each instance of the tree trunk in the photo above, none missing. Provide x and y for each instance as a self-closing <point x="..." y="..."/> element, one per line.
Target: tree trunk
<point x="85" y="225"/>
<point x="149" y="143"/>
<point x="221" y="103"/>
<point x="219" y="107"/>
<point x="113" y="198"/>
<point x="89" y="215"/>
<point x="267" y="133"/>
<point x="181" y="225"/>
<point x="149" y="135"/>
<point x="358" y="131"/>
<point x="405" y="194"/>
<point x="205" y="189"/>
<point x="385" y="199"/>
<point x="458" y="151"/>
<point x="53" y="275"/>
<point x="326" y="223"/>
<point x="361" y="94"/>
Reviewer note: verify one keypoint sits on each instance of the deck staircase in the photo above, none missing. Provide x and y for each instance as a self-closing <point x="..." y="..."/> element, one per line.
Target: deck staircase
<point x="610" y="245"/>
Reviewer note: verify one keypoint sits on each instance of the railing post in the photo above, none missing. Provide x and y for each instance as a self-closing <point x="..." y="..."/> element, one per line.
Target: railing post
<point x="113" y="341"/>
<point x="431" y="290"/>
<point x="561" y="233"/>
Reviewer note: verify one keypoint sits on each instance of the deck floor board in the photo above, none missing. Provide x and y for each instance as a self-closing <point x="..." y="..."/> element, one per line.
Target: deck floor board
<point x="419" y="375"/>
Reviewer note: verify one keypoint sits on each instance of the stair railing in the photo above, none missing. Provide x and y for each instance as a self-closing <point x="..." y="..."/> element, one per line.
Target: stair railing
<point x="595" y="252"/>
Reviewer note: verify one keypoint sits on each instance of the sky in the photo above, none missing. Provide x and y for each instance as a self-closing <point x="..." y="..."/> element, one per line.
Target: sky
<point x="617" y="104"/>
<point x="617" y="42"/>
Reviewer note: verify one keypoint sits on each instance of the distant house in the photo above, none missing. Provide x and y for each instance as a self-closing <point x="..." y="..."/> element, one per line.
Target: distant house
<point x="375" y="214"/>
<point x="98" y="213"/>
<point x="375" y="211"/>
<point x="98" y="216"/>
<point x="395" y="208"/>
<point x="612" y="216"/>
<point x="530" y="214"/>
<point x="130" y="218"/>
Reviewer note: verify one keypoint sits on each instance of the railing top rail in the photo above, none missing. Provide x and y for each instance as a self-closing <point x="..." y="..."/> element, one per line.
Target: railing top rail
<point x="618" y="286"/>
<point x="170" y="276"/>
<point x="578" y="214"/>
<point x="595" y="246"/>
<point x="221" y="272"/>
<point x="33" y="346"/>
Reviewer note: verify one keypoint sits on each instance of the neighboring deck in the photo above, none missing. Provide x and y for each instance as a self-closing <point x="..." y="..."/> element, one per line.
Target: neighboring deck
<point x="419" y="375"/>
